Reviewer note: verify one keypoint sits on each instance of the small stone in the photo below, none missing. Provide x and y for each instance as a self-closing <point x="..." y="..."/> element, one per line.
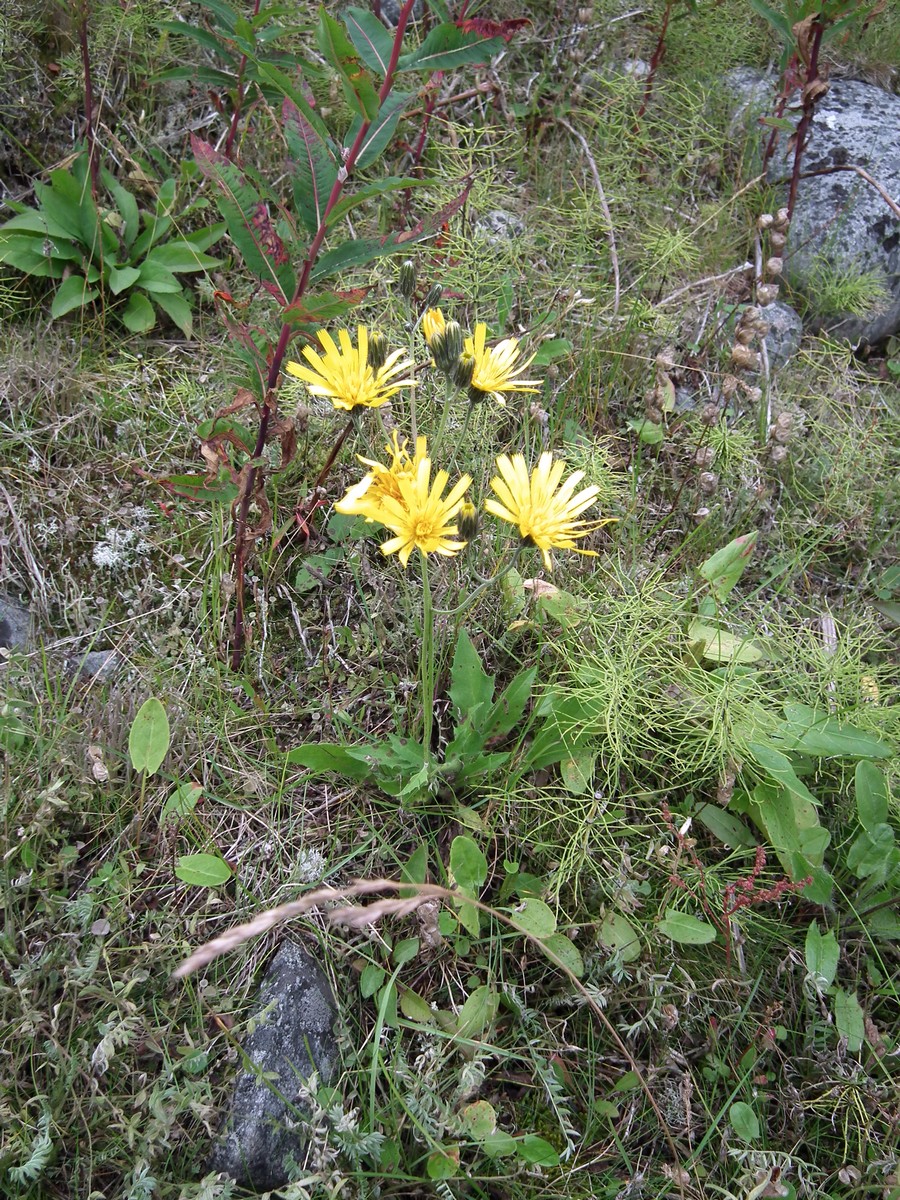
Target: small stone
<point x="15" y="623"/>
<point x="293" y="1039"/>
<point x="101" y="665"/>
<point x="498" y="225"/>
<point x="390" y="11"/>
<point x="784" y="334"/>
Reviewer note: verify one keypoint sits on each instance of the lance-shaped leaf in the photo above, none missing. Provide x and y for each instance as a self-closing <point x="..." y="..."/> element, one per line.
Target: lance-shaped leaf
<point x="374" y="190"/>
<point x="249" y="224"/>
<point x="322" y="308"/>
<point x="372" y="41"/>
<point x="315" y="166"/>
<point x="359" y="251"/>
<point x="447" y="47"/>
<point x="724" y="568"/>
<point x="339" y="51"/>
<point x="381" y="129"/>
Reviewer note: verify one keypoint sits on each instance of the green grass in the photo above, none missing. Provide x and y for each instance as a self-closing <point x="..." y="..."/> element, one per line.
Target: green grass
<point x="115" y="1076"/>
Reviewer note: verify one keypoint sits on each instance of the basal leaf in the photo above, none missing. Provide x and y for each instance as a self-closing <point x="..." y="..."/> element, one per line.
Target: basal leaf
<point x="468" y="866"/>
<point x="564" y="949"/>
<point x="724" y="568"/>
<point x="744" y="1121"/>
<point x="849" y="1019"/>
<point x="816" y="733"/>
<point x="138" y="314"/>
<point x="148" y="738"/>
<point x="537" y="1151"/>
<point x="477" y="1013"/>
<point x="619" y="935"/>
<point x="331" y="758"/>
<point x="822" y="953"/>
<point x="470" y="684"/>
<point x="203" y="870"/>
<point x="534" y="917"/>
<point x="687" y="930"/>
<point x="73" y="292"/>
<point x="872" y="795"/>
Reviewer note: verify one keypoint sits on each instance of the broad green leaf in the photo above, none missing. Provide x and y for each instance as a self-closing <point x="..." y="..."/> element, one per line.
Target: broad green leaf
<point x="470" y="684"/>
<point x="128" y="208"/>
<point x="73" y="292"/>
<point x="176" y="309"/>
<point x="331" y="758"/>
<point x="181" y="802"/>
<point x="477" y="1013"/>
<point x="405" y="951"/>
<point x="744" y="1122"/>
<point x="315" y="166"/>
<point x="468" y="866"/>
<point x="180" y="256"/>
<point x="870" y="854"/>
<point x="443" y="1163"/>
<point x="816" y="733"/>
<point x="448" y="47"/>
<point x="564" y="949"/>
<point x="619" y="934"/>
<point x="155" y="278"/>
<point x="148" y="739"/>
<point x="372" y="191"/>
<point x="849" y="1019"/>
<point x="340" y="52"/>
<point x="138" y="315"/>
<point x="685" y="929"/>
<point x="718" y="645"/>
<point x="510" y="706"/>
<point x="577" y="770"/>
<point x="415" y="870"/>
<point x="534" y="917"/>
<point x="551" y="350"/>
<point x="724" y="568"/>
<point x="724" y="826"/>
<point x="370" y="979"/>
<point x="415" y="1008"/>
<point x="479" y="1119"/>
<point x="69" y="203"/>
<point x="198" y="487"/>
<point x="122" y="278"/>
<point x="372" y="41"/>
<point x="780" y="768"/>
<point x="381" y="130"/>
<point x="648" y="432"/>
<point x="203" y="870"/>
<point x="535" y="1150"/>
<point x="822" y="953"/>
<point x="499" y="1144"/>
<point x="872" y="795"/>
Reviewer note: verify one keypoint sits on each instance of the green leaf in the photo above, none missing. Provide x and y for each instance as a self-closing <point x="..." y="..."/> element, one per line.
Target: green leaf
<point x="499" y="1144"/>
<point x="551" y="350"/>
<point x="181" y="802"/>
<point x="331" y="758"/>
<point x="872" y="795"/>
<point x="415" y="870"/>
<point x="73" y="292"/>
<point x="822" y="954"/>
<point x="870" y="854"/>
<point x="779" y="767"/>
<point x="148" y="739"/>
<point x="372" y="41"/>
<point x="203" y="870"/>
<point x="470" y="684"/>
<point x="405" y="951"/>
<point x="177" y="309"/>
<point x="339" y="51"/>
<point x="534" y="917"/>
<point x="816" y="733"/>
<point x="315" y="166"/>
<point x="724" y="826"/>
<point x="577" y="770"/>
<point x="564" y="949"/>
<point x="619" y="935"/>
<point x="381" y="130"/>
<point x="685" y="929"/>
<point x="477" y="1013"/>
<point x="443" y="1163"/>
<point x="468" y="866"/>
<point x="138" y="315"/>
<point x="776" y="19"/>
<point x="724" y="568"/>
<point x="448" y="47"/>
<point x="371" y="977"/>
<point x="121" y="278"/>
<point x="479" y="1119"/>
<point x="128" y="208"/>
<point x="535" y="1150"/>
<point x="849" y="1019"/>
<point x="155" y="278"/>
<point x="415" y="1008"/>
<point x="648" y="432"/>
<point x="744" y="1122"/>
<point x="181" y="256"/>
<point x="718" y="645"/>
<point x="509" y="708"/>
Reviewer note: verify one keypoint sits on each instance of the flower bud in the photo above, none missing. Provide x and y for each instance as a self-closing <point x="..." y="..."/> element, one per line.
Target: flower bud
<point x="433" y="299"/>
<point x="406" y="280"/>
<point x="446" y="347"/>
<point x="462" y="376"/>
<point x="467" y="521"/>
<point x="378" y="350"/>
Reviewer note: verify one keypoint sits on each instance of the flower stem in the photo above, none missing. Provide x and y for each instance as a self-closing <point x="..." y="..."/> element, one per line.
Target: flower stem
<point x="442" y="424"/>
<point x="426" y="660"/>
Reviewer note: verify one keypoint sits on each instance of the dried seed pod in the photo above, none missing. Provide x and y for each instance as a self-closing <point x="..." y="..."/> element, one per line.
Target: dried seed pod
<point x="753" y="394"/>
<point x="767" y="293"/>
<point x="704" y="456"/>
<point x="665" y="360"/>
<point x="744" y="335"/>
<point x="584" y="16"/>
<point x="774" y="265"/>
<point x="783" y="429"/>
<point x="782" y="220"/>
<point x="729" y="386"/>
<point x="701" y="514"/>
<point x="776" y="242"/>
<point x="749" y="315"/>
<point x="762" y="328"/>
<point x="708" y="482"/>
<point x="778" y="454"/>
<point x="745" y="359"/>
<point x="654" y="415"/>
<point x="710" y="414"/>
<point x="765" y="221"/>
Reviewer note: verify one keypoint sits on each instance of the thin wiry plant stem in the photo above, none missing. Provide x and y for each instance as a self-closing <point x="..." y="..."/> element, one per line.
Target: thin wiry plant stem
<point x="89" y="130"/>
<point x="610" y="230"/>
<point x="228" y="148"/>
<point x="426" y="663"/>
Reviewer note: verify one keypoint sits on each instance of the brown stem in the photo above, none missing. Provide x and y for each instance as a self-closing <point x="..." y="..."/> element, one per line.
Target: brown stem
<point x="238" y="98"/>
<point x="241" y="540"/>
<point x="809" y="105"/>
<point x="658" y="55"/>
<point x="93" y="161"/>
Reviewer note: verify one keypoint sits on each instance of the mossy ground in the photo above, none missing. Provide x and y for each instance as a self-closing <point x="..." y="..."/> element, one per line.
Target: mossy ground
<point x="115" y="1077"/>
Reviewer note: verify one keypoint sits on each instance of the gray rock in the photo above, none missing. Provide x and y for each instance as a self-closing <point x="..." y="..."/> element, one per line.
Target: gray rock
<point x="15" y="624"/>
<point x="264" y="1130"/>
<point x="96" y="664"/>
<point x="839" y="218"/>
<point x="785" y="332"/>
<point x="390" y="11"/>
<point x="498" y="225"/>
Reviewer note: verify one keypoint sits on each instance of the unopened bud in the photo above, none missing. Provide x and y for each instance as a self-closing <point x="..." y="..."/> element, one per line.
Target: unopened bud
<point x="465" y="369"/>
<point x="774" y="265"/>
<point x="378" y="350"/>
<point x="406" y="280"/>
<point x="433" y="299"/>
<point x="467" y="521"/>
<point x="446" y="347"/>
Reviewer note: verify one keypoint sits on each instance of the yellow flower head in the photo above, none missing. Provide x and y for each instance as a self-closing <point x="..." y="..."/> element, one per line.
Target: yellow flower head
<point x="544" y="512"/>
<point x="364" y="498"/>
<point x="495" y="371"/>
<point x="409" y="504"/>
<point x="433" y="322"/>
<point x="346" y="376"/>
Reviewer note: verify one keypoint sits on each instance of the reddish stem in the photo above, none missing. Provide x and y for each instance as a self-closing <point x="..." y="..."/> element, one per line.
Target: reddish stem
<point x="658" y="55"/>
<point x="809" y="105"/>
<point x="93" y="160"/>
<point x="238" y="99"/>
<point x="243" y="506"/>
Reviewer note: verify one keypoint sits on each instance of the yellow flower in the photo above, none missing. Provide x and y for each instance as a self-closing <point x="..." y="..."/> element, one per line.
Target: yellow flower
<point x="364" y="498"/>
<point x="433" y="322"/>
<point x="495" y="370"/>
<point x="544" y="512"/>
<point x="346" y="376"/>
<point x="404" y="500"/>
